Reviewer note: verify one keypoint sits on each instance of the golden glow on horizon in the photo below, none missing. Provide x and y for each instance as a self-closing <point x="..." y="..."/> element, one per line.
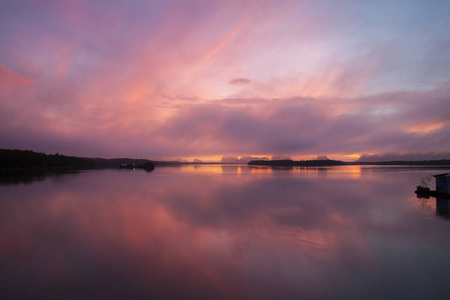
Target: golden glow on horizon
<point x="345" y="157"/>
<point x="355" y="156"/>
<point x="218" y="158"/>
<point x="213" y="158"/>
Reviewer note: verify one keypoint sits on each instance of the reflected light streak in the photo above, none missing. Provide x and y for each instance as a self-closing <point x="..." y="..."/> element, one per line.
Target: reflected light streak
<point x="204" y="168"/>
<point x="350" y="172"/>
<point x="354" y="172"/>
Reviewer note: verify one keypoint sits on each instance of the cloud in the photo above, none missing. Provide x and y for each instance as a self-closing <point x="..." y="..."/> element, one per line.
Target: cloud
<point x="146" y="80"/>
<point x="12" y="84"/>
<point x="240" y="81"/>
<point x="302" y="125"/>
<point x="383" y="123"/>
<point x="296" y="126"/>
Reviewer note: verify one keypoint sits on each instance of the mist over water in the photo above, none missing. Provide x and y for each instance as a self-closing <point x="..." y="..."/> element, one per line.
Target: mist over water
<point x="224" y="232"/>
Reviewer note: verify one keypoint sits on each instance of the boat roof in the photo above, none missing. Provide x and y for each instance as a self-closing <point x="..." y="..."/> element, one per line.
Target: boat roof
<point x="442" y="175"/>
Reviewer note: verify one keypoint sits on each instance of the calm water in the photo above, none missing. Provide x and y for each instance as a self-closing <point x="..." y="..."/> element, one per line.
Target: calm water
<point x="224" y="232"/>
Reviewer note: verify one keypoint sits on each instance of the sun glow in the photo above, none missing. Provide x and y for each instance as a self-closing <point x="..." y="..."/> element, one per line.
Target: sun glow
<point x="346" y="157"/>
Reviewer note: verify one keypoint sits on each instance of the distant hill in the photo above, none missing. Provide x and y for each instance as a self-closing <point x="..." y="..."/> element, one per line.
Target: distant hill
<point x="27" y="159"/>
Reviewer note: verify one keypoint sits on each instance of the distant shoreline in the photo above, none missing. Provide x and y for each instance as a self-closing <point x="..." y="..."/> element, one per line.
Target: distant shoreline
<point x="27" y="159"/>
<point x="12" y="159"/>
<point x="329" y="162"/>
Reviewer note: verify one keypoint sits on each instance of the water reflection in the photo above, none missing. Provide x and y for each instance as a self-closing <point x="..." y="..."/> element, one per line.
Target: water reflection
<point x="220" y="232"/>
<point x="322" y="172"/>
<point x="439" y="204"/>
<point x="442" y="207"/>
<point x="25" y="176"/>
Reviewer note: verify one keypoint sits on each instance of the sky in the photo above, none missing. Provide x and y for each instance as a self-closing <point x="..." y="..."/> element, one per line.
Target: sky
<point x="201" y="79"/>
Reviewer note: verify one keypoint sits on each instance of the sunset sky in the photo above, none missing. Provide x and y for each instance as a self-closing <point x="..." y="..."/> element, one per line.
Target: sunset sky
<point x="200" y="79"/>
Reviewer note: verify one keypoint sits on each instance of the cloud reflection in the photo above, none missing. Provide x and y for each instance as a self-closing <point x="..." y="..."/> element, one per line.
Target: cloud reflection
<point x="184" y="233"/>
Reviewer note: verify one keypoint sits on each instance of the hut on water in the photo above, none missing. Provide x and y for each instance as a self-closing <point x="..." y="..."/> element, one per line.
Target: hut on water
<point x="442" y="183"/>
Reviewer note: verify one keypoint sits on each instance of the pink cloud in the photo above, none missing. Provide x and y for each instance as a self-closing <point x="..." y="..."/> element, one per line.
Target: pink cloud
<point x="12" y="84"/>
<point x="147" y="81"/>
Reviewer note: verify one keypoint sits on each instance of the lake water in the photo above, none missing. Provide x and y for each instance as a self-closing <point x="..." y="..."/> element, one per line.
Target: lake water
<point x="224" y="232"/>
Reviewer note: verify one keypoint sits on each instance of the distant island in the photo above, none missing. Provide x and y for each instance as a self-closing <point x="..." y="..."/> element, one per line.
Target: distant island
<point x="329" y="162"/>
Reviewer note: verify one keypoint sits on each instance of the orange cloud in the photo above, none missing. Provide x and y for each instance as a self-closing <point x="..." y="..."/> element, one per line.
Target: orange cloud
<point x="427" y="127"/>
